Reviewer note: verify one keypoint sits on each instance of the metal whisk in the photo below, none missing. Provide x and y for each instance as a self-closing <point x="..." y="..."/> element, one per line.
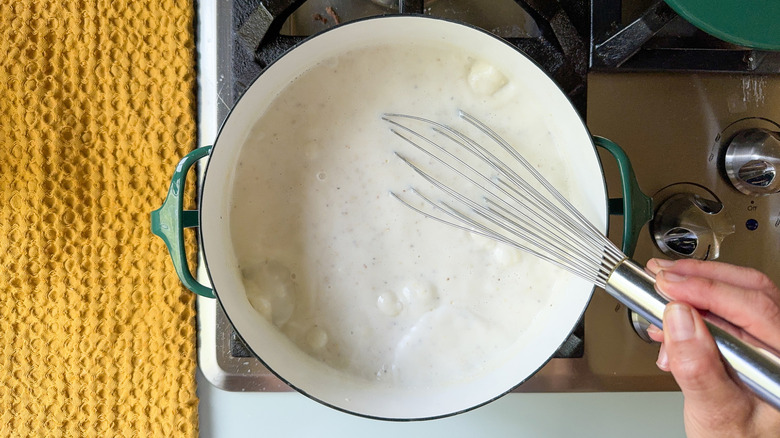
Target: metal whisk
<point x="495" y="192"/>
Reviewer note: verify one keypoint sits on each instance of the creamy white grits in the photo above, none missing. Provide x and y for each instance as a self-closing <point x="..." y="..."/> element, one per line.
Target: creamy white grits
<point x="346" y="272"/>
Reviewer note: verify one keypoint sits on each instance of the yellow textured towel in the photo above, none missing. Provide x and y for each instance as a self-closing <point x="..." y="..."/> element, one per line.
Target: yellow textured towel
<point x="96" y="107"/>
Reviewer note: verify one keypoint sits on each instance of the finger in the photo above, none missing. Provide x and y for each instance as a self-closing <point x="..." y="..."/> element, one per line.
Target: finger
<point x="736" y="275"/>
<point x="654" y="266"/>
<point x="663" y="359"/>
<point x="755" y="312"/>
<point x="655" y="333"/>
<point x="693" y="358"/>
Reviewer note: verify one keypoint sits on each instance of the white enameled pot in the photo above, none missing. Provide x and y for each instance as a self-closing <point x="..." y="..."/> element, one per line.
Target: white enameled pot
<point x="553" y="323"/>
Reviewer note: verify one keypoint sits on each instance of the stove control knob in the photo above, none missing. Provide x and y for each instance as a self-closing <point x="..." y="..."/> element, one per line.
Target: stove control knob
<point x="687" y="225"/>
<point x="752" y="161"/>
<point x="640" y="325"/>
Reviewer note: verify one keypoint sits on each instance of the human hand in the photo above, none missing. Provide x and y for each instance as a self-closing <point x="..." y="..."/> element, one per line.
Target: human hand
<point x="716" y="402"/>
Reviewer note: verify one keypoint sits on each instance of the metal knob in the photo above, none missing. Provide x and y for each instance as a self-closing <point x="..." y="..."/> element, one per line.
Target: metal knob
<point x="640" y="324"/>
<point x="687" y="225"/>
<point x="752" y="161"/>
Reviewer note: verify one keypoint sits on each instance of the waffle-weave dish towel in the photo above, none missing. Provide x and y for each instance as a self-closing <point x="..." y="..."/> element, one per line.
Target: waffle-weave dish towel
<point x="97" y="105"/>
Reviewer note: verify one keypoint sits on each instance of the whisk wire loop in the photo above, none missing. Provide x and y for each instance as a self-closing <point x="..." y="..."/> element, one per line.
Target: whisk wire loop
<point x="537" y="199"/>
<point x="490" y="159"/>
<point x="571" y="217"/>
<point x="510" y="209"/>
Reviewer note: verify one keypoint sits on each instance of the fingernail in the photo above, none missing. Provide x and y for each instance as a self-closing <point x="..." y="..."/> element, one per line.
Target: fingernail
<point x="678" y="322"/>
<point x="653" y="330"/>
<point x="663" y="263"/>
<point x="672" y="277"/>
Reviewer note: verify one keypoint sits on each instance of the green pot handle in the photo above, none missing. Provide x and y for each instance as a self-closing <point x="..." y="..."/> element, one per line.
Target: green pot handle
<point x="635" y="206"/>
<point x="170" y="220"/>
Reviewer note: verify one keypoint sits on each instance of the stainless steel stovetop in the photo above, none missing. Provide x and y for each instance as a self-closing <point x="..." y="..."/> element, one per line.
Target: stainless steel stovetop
<point x="674" y="123"/>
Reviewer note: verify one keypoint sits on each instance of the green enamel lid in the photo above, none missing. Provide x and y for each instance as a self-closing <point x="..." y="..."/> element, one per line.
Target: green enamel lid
<point x="749" y="23"/>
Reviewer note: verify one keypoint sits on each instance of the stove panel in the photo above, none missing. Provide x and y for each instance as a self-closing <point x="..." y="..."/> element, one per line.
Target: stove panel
<point x="676" y="127"/>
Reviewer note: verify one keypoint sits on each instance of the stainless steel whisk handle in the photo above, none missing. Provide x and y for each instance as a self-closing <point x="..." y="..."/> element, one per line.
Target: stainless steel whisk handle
<point x="756" y="364"/>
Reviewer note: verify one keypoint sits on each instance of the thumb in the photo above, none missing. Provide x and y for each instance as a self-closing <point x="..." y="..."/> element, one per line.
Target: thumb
<point x="696" y="365"/>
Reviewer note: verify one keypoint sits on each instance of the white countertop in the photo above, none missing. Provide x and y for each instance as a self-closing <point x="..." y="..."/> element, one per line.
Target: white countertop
<point x="603" y="415"/>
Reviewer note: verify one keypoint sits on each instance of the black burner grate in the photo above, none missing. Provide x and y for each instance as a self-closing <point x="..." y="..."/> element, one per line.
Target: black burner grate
<point x="561" y="49"/>
<point x="657" y="39"/>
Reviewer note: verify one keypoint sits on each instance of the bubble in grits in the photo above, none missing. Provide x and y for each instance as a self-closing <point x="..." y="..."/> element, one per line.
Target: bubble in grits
<point x="260" y="304"/>
<point x="486" y="79"/>
<point x="419" y="295"/>
<point x="506" y="255"/>
<point x="270" y="290"/>
<point x="316" y="338"/>
<point x="389" y="304"/>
